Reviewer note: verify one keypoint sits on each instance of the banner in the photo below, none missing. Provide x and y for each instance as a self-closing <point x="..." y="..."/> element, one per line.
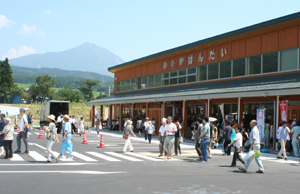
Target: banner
<point x="96" y="114"/>
<point x="260" y="118"/>
<point x="283" y="110"/>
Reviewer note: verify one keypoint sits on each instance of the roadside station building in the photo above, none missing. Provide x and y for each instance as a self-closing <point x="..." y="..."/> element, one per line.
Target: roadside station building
<point x="246" y="69"/>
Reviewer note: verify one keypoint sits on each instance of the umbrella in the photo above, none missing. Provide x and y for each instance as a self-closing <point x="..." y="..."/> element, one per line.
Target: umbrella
<point x="212" y="119"/>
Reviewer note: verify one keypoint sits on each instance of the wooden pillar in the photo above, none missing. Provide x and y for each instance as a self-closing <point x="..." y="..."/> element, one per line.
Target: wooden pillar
<point x="93" y="114"/>
<point x="110" y="115"/>
<point x="240" y="111"/>
<point x="209" y="108"/>
<point x="101" y="113"/>
<point x="121" y="117"/>
<point x="133" y="116"/>
<point x="184" y="118"/>
<point x="165" y="109"/>
<point x="147" y="108"/>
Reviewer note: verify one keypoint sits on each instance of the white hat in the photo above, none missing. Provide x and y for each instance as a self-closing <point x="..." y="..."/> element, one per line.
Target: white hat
<point x="7" y="120"/>
<point x="164" y="120"/>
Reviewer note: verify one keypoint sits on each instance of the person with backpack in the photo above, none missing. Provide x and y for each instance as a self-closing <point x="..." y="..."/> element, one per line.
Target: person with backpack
<point x="51" y="137"/>
<point x="8" y="133"/>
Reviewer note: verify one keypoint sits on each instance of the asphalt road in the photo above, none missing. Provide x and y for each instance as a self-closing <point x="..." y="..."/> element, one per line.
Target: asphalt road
<point x="108" y="170"/>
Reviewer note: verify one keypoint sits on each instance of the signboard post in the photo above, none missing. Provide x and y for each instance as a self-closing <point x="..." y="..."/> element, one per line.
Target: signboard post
<point x="261" y="121"/>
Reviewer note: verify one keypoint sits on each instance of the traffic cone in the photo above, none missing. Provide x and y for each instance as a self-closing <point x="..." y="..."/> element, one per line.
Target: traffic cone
<point x="84" y="139"/>
<point x="41" y="134"/>
<point x="101" y="143"/>
<point x="18" y="131"/>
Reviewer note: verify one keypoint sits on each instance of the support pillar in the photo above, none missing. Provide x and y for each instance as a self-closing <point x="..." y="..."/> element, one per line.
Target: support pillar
<point x="209" y="108"/>
<point x="240" y="112"/>
<point x="277" y="120"/>
<point x="121" y="117"/>
<point x="101" y="113"/>
<point x="110" y="116"/>
<point x="184" y="118"/>
<point x="133" y="116"/>
<point x="147" y="108"/>
<point x="93" y="114"/>
<point x="165" y="109"/>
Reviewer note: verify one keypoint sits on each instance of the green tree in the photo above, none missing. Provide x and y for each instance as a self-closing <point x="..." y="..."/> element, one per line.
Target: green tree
<point x="16" y="91"/>
<point x="6" y="80"/>
<point x="44" y="84"/>
<point x="86" y="87"/>
<point x="33" y="92"/>
<point x="70" y="94"/>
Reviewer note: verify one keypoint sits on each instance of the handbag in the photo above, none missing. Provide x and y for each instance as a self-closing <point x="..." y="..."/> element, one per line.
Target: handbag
<point x="125" y="136"/>
<point x="181" y="140"/>
<point x="3" y="136"/>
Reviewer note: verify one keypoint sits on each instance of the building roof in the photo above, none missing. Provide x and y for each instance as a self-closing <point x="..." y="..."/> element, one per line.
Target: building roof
<point x="212" y="39"/>
<point x="263" y="86"/>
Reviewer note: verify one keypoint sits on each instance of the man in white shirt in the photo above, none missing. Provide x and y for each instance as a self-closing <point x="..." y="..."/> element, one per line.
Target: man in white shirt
<point x="146" y="124"/>
<point x="170" y="131"/>
<point x="23" y="132"/>
<point x="282" y="136"/>
<point x="237" y="144"/>
<point x="255" y="145"/>
<point x="161" y="136"/>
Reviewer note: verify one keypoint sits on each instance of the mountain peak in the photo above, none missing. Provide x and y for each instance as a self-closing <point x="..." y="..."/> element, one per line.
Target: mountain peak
<point x="85" y="57"/>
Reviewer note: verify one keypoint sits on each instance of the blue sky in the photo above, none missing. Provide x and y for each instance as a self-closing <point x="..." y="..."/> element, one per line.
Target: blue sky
<point x="129" y="28"/>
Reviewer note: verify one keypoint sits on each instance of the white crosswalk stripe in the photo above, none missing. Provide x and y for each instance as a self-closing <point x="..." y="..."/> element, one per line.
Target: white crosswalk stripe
<point x="102" y="156"/>
<point x="38" y="157"/>
<point x="17" y="158"/>
<point x="83" y="157"/>
<point x="143" y="156"/>
<point x="124" y="157"/>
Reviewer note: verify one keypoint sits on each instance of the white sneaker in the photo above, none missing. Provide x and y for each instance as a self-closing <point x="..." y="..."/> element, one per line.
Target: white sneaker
<point x="70" y="157"/>
<point x="60" y="156"/>
<point x="98" y="135"/>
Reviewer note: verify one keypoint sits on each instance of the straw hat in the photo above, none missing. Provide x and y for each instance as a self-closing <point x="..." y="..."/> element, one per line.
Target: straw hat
<point x="129" y="122"/>
<point x="147" y="118"/>
<point x="67" y="117"/>
<point x="52" y="117"/>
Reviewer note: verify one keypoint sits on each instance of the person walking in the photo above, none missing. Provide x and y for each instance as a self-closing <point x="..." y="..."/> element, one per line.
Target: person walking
<point x="198" y="128"/>
<point x="161" y="136"/>
<point x="227" y="135"/>
<point x="67" y="143"/>
<point x="177" y="148"/>
<point x="295" y="141"/>
<point x="171" y="129"/>
<point x="139" y="126"/>
<point x="146" y="124"/>
<point x="81" y="126"/>
<point x="8" y="133"/>
<point x="282" y="137"/>
<point x="2" y="125"/>
<point x="23" y="133"/>
<point x="237" y="144"/>
<point x="205" y="136"/>
<point x="150" y="130"/>
<point x="211" y="140"/>
<point x="59" y="123"/>
<point x="126" y="135"/>
<point x="255" y="145"/>
<point x="51" y="137"/>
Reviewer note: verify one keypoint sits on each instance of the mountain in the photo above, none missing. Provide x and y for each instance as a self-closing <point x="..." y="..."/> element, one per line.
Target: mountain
<point x="86" y="57"/>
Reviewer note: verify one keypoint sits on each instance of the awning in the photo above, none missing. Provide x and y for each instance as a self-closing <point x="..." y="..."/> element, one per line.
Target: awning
<point x="10" y="110"/>
<point x="290" y="88"/>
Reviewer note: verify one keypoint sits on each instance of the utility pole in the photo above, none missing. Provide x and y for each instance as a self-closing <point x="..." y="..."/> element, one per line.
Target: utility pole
<point x="108" y="90"/>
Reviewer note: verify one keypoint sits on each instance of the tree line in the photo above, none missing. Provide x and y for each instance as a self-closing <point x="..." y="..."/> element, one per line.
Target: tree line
<point x="42" y="89"/>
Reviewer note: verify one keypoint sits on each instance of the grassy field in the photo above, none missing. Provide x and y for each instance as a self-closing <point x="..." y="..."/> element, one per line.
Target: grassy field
<point x="77" y="109"/>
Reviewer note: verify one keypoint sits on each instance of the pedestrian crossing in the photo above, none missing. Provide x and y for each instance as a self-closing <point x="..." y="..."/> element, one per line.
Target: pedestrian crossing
<point x="87" y="156"/>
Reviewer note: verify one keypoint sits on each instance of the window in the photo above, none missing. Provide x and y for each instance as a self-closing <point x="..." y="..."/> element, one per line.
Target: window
<point x="182" y="72"/>
<point x="118" y="89"/>
<point x="288" y="60"/>
<point x="144" y="82"/>
<point x="225" y="69"/>
<point x="238" y="67"/>
<point x="173" y="74"/>
<point x="118" y="83"/>
<point x="166" y="82"/>
<point x="192" y="70"/>
<point x="166" y="75"/>
<point x="138" y="82"/>
<point x="254" y="65"/>
<point x="191" y="78"/>
<point x="182" y="80"/>
<point x="127" y="82"/>
<point x="173" y="81"/>
<point x="122" y="83"/>
<point x="150" y="81"/>
<point x="157" y="79"/>
<point x="202" y="72"/>
<point x="213" y="71"/>
<point x="270" y="62"/>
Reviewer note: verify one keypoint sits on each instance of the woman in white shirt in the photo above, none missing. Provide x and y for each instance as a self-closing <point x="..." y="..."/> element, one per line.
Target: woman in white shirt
<point x="161" y="136"/>
<point x="237" y="144"/>
<point x="81" y="125"/>
<point x="150" y="130"/>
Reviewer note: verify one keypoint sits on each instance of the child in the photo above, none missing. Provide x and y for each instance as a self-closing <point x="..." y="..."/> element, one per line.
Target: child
<point x="237" y="144"/>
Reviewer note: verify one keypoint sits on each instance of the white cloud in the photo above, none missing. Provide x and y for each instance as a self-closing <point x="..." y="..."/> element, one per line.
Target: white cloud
<point x="4" y="22"/>
<point x="26" y="29"/>
<point x="21" y="51"/>
<point x="48" y="12"/>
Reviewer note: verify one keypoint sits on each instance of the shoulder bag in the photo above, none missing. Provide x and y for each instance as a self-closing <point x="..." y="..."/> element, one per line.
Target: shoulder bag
<point x="2" y="138"/>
